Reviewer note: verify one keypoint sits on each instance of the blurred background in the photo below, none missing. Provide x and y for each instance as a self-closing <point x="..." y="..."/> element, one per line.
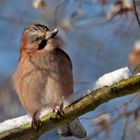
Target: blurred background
<point x="99" y="36"/>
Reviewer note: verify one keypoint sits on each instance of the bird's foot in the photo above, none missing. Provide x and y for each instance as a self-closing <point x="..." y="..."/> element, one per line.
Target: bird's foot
<point x="59" y="112"/>
<point x="36" y="123"/>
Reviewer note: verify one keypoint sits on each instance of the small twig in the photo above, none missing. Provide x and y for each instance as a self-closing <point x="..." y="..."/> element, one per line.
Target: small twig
<point x="114" y="119"/>
<point x="124" y="129"/>
<point x="135" y="69"/>
<point x="136" y="14"/>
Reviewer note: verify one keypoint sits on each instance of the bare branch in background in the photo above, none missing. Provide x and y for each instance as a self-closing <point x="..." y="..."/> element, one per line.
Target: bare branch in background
<point x="136" y="13"/>
<point x="125" y="128"/>
<point x="79" y="11"/>
<point x="110" y="120"/>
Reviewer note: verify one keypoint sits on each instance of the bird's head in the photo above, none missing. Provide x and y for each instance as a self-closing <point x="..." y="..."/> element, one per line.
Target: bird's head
<point x="38" y="37"/>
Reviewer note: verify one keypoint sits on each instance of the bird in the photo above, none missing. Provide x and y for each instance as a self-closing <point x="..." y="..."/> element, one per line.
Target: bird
<point x="43" y="77"/>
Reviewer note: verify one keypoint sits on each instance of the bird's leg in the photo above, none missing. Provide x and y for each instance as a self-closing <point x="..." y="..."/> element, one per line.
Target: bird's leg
<point x="59" y="110"/>
<point x="36" y="123"/>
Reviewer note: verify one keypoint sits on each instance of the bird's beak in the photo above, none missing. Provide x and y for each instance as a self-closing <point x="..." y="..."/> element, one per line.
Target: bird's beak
<point x="51" y="34"/>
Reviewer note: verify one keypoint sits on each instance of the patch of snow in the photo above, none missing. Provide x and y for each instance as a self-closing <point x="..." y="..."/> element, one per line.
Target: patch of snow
<point x="17" y="122"/>
<point x="112" y="77"/>
<point x="45" y="111"/>
<point x="14" y="123"/>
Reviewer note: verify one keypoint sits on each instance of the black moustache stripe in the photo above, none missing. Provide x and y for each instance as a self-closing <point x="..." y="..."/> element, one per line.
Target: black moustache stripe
<point x="42" y="44"/>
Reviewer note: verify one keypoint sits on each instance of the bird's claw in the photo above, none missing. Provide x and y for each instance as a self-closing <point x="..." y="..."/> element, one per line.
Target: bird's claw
<point x="58" y="111"/>
<point x="36" y="123"/>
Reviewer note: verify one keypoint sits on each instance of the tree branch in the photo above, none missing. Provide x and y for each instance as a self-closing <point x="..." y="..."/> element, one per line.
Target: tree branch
<point x="136" y="13"/>
<point x="78" y="108"/>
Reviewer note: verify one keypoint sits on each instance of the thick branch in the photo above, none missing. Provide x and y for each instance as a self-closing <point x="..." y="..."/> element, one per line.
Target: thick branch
<point x="80" y="107"/>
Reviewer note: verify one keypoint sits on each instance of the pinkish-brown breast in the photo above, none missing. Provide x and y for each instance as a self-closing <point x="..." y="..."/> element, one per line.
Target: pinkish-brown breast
<point x="43" y="79"/>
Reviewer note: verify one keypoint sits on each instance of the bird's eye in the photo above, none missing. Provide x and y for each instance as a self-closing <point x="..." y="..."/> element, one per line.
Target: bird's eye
<point x="34" y="38"/>
<point x="42" y="44"/>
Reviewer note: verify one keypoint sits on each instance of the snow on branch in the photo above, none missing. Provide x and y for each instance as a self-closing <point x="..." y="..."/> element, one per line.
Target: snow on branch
<point x="112" y="85"/>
